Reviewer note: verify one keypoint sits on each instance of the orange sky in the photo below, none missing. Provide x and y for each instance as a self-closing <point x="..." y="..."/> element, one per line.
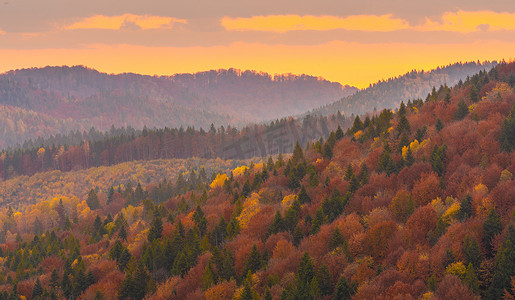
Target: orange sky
<point x="355" y="49"/>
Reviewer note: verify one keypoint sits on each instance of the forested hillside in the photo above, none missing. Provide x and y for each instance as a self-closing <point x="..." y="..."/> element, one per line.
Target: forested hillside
<point x="84" y="150"/>
<point x="412" y="204"/>
<point x="413" y="85"/>
<point x="52" y="100"/>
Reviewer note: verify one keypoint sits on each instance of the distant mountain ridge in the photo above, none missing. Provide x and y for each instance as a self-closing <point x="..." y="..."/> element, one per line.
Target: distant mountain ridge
<point x="51" y="100"/>
<point x="412" y="85"/>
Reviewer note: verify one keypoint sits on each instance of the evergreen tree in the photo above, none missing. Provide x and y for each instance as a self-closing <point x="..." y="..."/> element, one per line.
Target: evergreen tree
<point x="298" y="154"/>
<point x="317" y="221"/>
<point x="92" y="200"/>
<point x="37" y="290"/>
<point x="410" y="160"/>
<point x="344" y="289"/>
<point x="503" y="272"/>
<point x="303" y="196"/>
<point x="462" y="111"/>
<point x="465" y="208"/>
<point x="507" y="135"/>
<point x="253" y="262"/>
<point x="438" y="159"/>
<point x="246" y="294"/>
<point x="492" y="226"/>
<point x="277" y="224"/>
<point x="110" y="194"/>
<point x="324" y="280"/>
<point x="472" y="251"/>
<point x="363" y="174"/>
<point x="156" y="228"/>
<point x="200" y="220"/>
<point x="305" y="275"/>
<point x="439" y="125"/>
<point x="122" y="234"/>
<point x="470" y="279"/>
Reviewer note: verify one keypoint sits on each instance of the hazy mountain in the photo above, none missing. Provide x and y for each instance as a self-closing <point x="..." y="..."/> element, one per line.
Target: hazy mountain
<point x="36" y="102"/>
<point x="412" y="85"/>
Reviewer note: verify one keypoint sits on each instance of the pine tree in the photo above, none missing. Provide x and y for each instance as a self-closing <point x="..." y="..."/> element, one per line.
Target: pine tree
<point x="462" y="111"/>
<point x="277" y="224"/>
<point x="156" y="228"/>
<point x="507" y="135"/>
<point x="200" y="220"/>
<point x="336" y="239"/>
<point x="492" y="226"/>
<point x="363" y="174"/>
<point x="37" y="290"/>
<point x="344" y="289"/>
<point x="303" y="196"/>
<point x="122" y="234"/>
<point x="472" y="251"/>
<point x="324" y="280"/>
<point x="465" y="211"/>
<point x="439" y="125"/>
<point x="92" y="200"/>
<point x="253" y="262"/>
<point x="305" y="275"/>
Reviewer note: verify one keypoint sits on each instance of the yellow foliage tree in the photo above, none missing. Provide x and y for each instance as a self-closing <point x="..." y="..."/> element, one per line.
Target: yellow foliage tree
<point x="250" y="207"/>
<point x="239" y="171"/>
<point x="288" y="200"/>
<point x="219" y="181"/>
<point x="457" y="268"/>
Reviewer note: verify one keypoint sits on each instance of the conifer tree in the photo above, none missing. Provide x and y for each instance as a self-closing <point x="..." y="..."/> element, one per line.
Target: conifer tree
<point x="92" y="200"/>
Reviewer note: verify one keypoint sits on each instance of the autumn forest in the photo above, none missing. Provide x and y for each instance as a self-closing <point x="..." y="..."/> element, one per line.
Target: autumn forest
<point x="403" y="190"/>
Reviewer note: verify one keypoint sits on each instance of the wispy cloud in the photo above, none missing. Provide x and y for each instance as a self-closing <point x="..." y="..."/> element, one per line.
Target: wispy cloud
<point x="284" y="23"/>
<point x="126" y="21"/>
<point x="461" y="22"/>
<point x="471" y="21"/>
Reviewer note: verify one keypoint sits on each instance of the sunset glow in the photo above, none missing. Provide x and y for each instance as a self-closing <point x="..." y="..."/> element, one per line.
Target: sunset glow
<point x="355" y="48"/>
<point x="294" y="22"/>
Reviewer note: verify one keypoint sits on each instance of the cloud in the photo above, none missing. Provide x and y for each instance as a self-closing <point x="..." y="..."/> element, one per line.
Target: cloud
<point x="471" y="21"/>
<point x="460" y="22"/>
<point x="284" y="23"/>
<point x="126" y="21"/>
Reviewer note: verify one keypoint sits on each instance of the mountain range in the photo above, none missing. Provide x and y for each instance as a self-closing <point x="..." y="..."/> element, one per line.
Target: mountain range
<point x="52" y="100"/>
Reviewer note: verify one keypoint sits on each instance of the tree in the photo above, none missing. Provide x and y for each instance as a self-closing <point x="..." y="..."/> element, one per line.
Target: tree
<point x="507" y="135"/>
<point x="472" y="251"/>
<point x="324" y="280"/>
<point x="156" y="228"/>
<point x="305" y="275"/>
<point x="277" y="224"/>
<point x="303" y="196"/>
<point x="492" y="226"/>
<point x="504" y="268"/>
<point x="37" y="291"/>
<point x="402" y="205"/>
<point x="438" y="159"/>
<point x="254" y="261"/>
<point x="386" y="162"/>
<point x="462" y="111"/>
<point x="122" y="234"/>
<point x="92" y="200"/>
<point x="200" y="220"/>
<point x="336" y="240"/>
<point x="344" y="289"/>
<point x="465" y="211"/>
<point x="439" y="125"/>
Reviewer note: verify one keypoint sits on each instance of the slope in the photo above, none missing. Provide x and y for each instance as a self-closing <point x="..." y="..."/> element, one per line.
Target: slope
<point x="414" y="204"/>
<point x="412" y="85"/>
<point x="82" y="98"/>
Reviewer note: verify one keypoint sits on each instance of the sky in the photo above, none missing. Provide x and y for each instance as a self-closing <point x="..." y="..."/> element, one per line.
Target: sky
<point x="354" y="42"/>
